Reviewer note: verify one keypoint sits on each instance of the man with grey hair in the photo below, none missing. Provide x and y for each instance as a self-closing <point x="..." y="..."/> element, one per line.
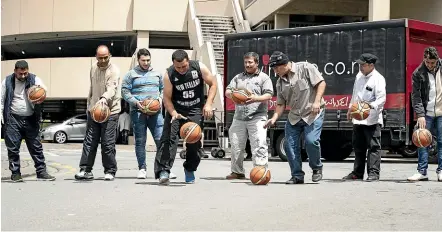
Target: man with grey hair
<point x="301" y="87"/>
<point x="250" y="118"/>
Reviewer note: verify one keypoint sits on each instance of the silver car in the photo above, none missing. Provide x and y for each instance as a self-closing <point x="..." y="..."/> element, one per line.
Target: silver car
<point x="72" y="129"/>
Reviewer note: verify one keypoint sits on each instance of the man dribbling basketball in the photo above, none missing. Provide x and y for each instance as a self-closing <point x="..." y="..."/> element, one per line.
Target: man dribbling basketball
<point x="105" y="88"/>
<point x="249" y="118"/>
<point x="183" y="97"/>
<point x="427" y="104"/>
<point x="369" y="87"/>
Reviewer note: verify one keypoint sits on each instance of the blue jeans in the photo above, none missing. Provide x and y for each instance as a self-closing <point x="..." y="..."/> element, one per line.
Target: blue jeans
<point x="140" y="123"/>
<point x="312" y="134"/>
<point x="433" y="124"/>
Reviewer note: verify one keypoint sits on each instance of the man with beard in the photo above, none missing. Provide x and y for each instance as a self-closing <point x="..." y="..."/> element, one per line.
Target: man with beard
<point x="21" y="118"/>
<point x="140" y="83"/>
<point x="105" y="88"/>
<point x="184" y="100"/>
<point x="426" y="99"/>
<point x="249" y="118"/>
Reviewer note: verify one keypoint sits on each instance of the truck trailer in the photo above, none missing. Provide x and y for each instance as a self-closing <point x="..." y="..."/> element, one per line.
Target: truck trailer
<point x="333" y="49"/>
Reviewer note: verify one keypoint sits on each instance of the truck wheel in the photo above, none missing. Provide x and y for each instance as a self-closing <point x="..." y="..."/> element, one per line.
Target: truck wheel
<point x="432" y="152"/>
<point x="409" y="151"/>
<point x="280" y="141"/>
<point x="183" y="154"/>
<point x="336" y="151"/>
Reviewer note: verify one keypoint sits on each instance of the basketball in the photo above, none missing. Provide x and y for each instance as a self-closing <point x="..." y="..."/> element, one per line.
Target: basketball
<point x="360" y="110"/>
<point x="100" y="113"/>
<point x="36" y="94"/>
<point x="422" y="138"/>
<point x="260" y="175"/>
<point x="190" y="132"/>
<point x="239" y="96"/>
<point x="151" y="106"/>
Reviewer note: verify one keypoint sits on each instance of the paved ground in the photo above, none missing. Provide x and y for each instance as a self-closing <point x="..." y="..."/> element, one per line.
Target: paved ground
<point x="216" y="204"/>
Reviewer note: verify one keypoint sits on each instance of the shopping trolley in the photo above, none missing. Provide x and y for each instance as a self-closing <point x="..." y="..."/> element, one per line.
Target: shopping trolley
<point x="212" y="135"/>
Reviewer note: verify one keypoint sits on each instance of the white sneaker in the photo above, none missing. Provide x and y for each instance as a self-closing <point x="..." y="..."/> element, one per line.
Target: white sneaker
<point x="109" y="176"/>
<point x="418" y="177"/>
<point x="172" y="175"/>
<point x="142" y="174"/>
<point x="439" y="176"/>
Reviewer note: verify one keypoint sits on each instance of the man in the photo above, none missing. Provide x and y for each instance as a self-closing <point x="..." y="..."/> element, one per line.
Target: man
<point x="140" y="83"/>
<point x="427" y="104"/>
<point x="301" y="87"/>
<point x="21" y="118"/>
<point x="369" y="87"/>
<point x="249" y="119"/>
<point x="105" y="88"/>
<point x="184" y="100"/>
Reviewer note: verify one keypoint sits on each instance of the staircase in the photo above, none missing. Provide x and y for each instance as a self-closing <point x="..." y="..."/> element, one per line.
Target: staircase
<point x="214" y="28"/>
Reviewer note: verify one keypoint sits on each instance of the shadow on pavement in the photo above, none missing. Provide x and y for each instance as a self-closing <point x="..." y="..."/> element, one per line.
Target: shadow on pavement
<point x="171" y="184"/>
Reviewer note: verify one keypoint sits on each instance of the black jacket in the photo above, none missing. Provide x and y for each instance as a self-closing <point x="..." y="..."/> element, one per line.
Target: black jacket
<point x="421" y="88"/>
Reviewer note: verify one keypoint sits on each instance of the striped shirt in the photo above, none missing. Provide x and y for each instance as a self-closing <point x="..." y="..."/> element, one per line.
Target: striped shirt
<point x="139" y="84"/>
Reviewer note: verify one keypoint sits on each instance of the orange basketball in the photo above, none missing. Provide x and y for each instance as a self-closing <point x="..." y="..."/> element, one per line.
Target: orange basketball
<point x="360" y="110"/>
<point x="190" y="132"/>
<point x="151" y="106"/>
<point x="36" y="94"/>
<point x="260" y="175"/>
<point x="422" y="138"/>
<point x="100" y="113"/>
<point x="239" y="96"/>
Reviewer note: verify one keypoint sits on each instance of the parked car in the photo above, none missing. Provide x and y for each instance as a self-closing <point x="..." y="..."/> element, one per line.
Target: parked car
<point x="72" y="129"/>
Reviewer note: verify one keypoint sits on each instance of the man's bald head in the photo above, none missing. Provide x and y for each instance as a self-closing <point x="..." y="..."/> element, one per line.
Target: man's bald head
<point x="102" y="50"/>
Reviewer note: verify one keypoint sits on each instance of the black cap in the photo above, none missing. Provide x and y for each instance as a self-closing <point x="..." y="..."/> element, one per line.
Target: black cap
<point x="367" y="58"/>
<point x="278" y="58"/>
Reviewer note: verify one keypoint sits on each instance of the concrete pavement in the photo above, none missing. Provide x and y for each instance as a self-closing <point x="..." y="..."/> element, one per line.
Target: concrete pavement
<point x="217" y="204"/>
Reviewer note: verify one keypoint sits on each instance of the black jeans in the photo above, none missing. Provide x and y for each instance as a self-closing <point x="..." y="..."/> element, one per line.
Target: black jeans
<point x="27" y="128"/>
<point x="367" y="137"/>
<point x="107" y="132"/>
<point x="166" y="153"/>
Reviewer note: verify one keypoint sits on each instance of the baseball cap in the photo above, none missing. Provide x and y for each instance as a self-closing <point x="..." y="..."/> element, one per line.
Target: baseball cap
<point x="278" y="58"/>
<point x="367" y="58"/>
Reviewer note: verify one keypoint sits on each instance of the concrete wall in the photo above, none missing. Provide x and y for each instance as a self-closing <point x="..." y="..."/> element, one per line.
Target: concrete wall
<point x="423" y="10"/>
<point x="213" y="7"/>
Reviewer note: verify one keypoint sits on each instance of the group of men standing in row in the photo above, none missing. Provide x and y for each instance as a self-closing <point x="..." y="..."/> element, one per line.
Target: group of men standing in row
<point x="181" y="90"/>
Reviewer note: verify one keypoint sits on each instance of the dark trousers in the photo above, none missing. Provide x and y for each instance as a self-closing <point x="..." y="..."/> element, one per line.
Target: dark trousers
<point x="367" y="138"/>
<point x="27" y="128"/>
<point x="107" y="133"/>
<point x="166" y="153"/>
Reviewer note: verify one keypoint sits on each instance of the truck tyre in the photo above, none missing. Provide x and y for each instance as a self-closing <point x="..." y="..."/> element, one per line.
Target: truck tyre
<point x="336" y="151"/>
<point x="279" y="147"/>
<point x="408" y="151"/>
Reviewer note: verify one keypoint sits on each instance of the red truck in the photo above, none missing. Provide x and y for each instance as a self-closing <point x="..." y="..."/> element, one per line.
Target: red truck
<point x="398" y="43"/>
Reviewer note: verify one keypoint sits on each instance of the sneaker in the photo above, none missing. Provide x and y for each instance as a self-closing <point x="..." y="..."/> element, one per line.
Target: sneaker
<point x="164" y="178"/>
<point x="172" y="175"/>
<point x="294" y="180"/>
<point x="439" y="176"/>
<point x="142" y="174"/>
<point x="45" y="176"/>
<point x="234" y="176"/>
<point x="317" y="175"/>
<point x="82" y="175"/>
<point x="190" y="177"/>
<point x="418" y="177"/>
<point x="372" y="178"/>
<point x="352" y="176"/>
<point x="16" y="177"/>
<point x="109" y="177"/>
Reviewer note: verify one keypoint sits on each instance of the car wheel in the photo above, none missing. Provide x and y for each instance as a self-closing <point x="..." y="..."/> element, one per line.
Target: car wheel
<point x="60" y="137"/>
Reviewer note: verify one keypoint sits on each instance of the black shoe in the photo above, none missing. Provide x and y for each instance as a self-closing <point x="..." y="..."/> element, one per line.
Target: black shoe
<point x="352" y="176"/>
<point x="45" y="176"/>
<point x="317" y="175"/>
<point x="82" y="175"/>
<point x="294" y="180"/>
<point x="16" y="177"/>
<point x="372" y="178"/>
